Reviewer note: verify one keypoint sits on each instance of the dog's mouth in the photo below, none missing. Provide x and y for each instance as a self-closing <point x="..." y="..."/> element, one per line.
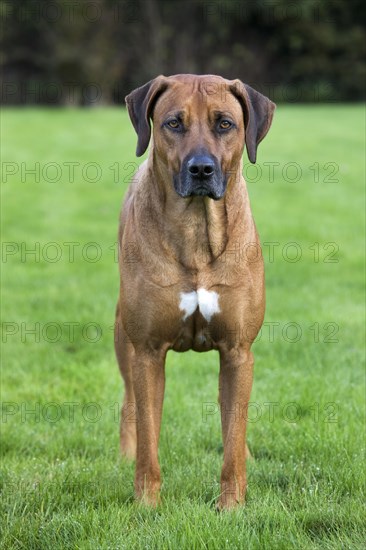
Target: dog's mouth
<point x="186" y="189"/>
<point x="203" y="191"/>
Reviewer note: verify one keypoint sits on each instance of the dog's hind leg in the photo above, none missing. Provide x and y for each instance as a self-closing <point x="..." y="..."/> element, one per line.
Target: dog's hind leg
<point x="125" y="356"/>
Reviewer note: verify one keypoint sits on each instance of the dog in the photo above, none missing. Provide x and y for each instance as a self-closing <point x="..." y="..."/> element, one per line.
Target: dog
<point x="190" y="264"/>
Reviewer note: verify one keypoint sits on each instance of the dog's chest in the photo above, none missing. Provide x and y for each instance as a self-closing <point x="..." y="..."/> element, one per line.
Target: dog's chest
<point x="206" y="301"/>
<point x="197" y="308"/>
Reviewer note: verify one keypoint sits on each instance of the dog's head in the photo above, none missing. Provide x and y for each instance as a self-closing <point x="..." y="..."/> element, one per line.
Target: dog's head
<point x="200" y="127"/>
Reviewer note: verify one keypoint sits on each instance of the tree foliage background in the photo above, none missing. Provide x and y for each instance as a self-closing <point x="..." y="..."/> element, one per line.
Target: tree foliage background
<point x="83" y="52"/>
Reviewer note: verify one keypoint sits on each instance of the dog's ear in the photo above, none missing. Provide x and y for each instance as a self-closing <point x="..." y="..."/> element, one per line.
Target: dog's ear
<point x="140" y="104"/>
<point x="258" y="114"/>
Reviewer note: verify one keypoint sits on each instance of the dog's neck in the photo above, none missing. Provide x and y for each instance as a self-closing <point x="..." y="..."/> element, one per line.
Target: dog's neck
<point x="196" y="230"/>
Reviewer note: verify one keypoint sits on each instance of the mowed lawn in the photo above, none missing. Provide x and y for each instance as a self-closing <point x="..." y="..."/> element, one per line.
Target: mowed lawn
<point x="63" y="483"/>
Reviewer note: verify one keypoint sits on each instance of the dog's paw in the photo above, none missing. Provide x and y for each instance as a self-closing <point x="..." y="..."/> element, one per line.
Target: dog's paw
<point x="232" y="496"/>
<point x="149" y="495"/>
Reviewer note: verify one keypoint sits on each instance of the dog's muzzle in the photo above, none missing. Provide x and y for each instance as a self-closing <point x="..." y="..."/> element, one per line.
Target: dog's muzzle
<point x="200" y="175"/>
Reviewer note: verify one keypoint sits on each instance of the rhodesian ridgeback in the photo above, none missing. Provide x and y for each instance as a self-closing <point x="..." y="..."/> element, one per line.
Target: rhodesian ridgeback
<point x="191" y="270"/>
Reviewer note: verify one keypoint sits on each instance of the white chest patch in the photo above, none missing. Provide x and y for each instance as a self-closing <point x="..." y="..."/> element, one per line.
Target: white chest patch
<point x="188" y="303"/>
<point x="207" y="301"/>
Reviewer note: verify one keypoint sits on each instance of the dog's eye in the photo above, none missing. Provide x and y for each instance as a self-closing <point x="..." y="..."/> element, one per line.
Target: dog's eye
<point x="225" y="125"/>
<point x="173" y="123"/>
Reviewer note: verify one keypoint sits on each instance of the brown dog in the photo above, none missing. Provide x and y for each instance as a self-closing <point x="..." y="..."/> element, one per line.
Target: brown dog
<point x="190" y="262"/>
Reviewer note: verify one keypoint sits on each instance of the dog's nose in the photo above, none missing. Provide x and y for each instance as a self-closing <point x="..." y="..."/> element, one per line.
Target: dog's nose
<point x="201" y="166"/>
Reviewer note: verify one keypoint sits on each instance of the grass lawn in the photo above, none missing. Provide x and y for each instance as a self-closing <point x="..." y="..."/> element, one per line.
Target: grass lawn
<point x="63" y="483"/>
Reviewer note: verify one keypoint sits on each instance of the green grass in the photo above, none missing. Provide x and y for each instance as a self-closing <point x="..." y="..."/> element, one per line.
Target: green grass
<point x="63" y="483"/>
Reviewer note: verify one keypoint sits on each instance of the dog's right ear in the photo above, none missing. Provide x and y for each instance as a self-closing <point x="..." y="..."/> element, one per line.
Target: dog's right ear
<point x="140" y="104"/>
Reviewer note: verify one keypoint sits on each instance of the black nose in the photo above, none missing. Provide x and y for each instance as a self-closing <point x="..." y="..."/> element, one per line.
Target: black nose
<point x="201" y="166"/>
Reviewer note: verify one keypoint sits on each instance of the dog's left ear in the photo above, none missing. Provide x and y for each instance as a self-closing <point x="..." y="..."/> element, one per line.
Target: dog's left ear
<point x="140" y="104"/>
<point x="258" y="114"/>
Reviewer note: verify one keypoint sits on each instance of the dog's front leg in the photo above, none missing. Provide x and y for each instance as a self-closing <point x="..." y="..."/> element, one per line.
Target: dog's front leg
<point x="148" y="385"/>
<point x="236" y="375"/>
